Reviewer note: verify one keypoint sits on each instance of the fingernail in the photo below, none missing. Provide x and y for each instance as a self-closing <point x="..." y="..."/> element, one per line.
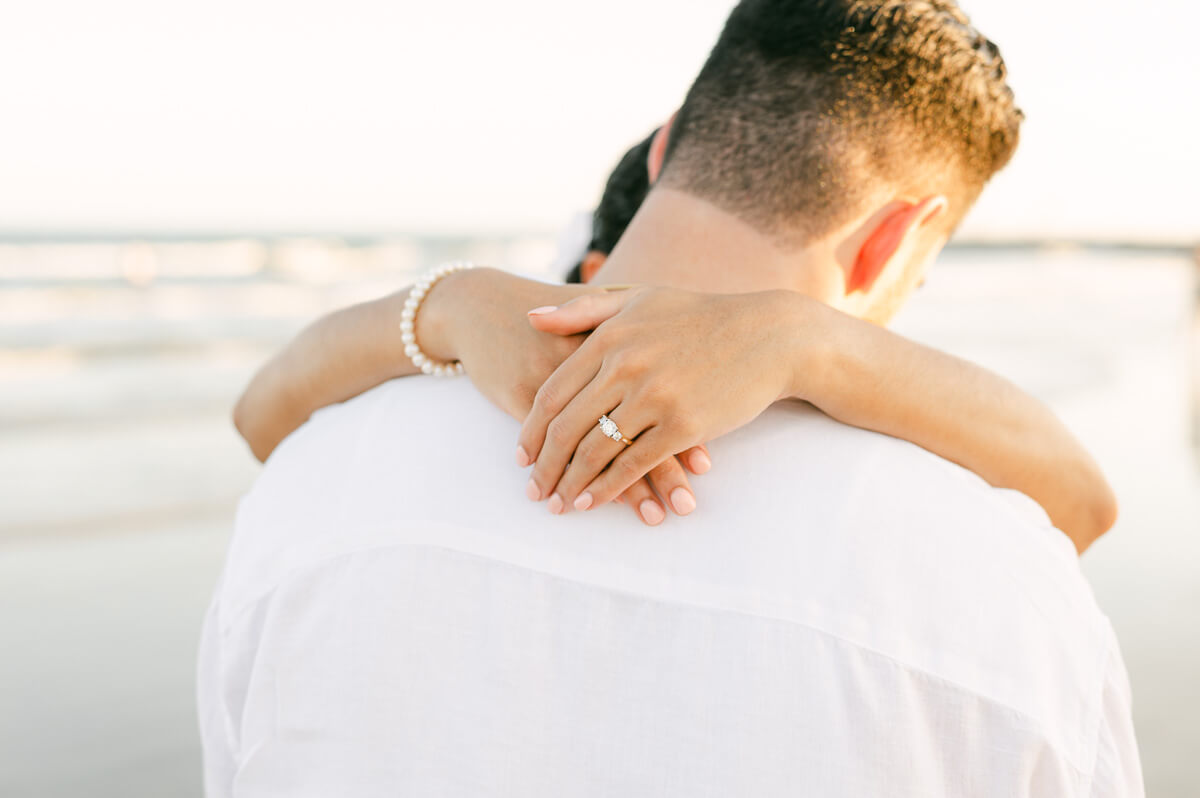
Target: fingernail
<point x="543" y="310"/>
<point x="583" y="501"/>
<point x="700" y="463"/>
<point x="555" y="505"/>
<point x="533" y="491"/>
<point x="522" y="457"/>
<point x="651" y="513"/>
<point x="683" y="501"/>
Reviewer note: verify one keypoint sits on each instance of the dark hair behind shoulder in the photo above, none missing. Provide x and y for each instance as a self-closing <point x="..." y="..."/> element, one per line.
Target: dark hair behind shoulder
<point x="627" y="186"/>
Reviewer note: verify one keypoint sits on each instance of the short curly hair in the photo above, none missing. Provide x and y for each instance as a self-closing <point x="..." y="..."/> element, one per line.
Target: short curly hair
<point x="807" y="107"/>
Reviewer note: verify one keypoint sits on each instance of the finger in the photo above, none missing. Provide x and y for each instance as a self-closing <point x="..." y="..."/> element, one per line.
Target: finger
<point x="559" y="389"/>
<point x="580" y="314"/>
<point x="593" y="454"/>
<point x="670" y="482"/>
<point x="649" y="449"/>
<point x="641" y="499"/>
<point x="696" y="459"/>
<point x="564" y="434"/>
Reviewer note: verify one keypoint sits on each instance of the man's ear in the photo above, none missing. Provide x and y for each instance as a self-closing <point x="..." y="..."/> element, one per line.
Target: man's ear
<point x="896" y="231"/>
<point x="593" y="261"/>
<point x="658" y="149"/>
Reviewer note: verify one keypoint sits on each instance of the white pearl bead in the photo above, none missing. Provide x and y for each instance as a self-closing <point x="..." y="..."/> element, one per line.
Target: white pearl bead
<point x="409" y="313"/>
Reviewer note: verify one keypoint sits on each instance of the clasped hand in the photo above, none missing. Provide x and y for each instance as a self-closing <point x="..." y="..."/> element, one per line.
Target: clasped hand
<point x="672" y="368"/>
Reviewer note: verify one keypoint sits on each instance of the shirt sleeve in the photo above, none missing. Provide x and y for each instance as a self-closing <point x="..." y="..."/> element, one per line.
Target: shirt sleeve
<point x="1118" y="769"/>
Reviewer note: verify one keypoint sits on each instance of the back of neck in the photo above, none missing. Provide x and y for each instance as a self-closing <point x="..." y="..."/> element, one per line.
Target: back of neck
<point x="682" y="241"/>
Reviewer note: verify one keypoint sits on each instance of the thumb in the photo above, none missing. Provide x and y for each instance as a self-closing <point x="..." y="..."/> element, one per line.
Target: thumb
<point x="580" y="314"/>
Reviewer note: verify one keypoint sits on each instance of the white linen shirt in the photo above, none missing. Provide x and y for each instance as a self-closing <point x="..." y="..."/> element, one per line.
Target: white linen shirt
<point x="845" y="614"/>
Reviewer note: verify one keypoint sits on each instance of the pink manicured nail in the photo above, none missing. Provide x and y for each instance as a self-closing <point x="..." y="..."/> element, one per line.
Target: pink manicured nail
<point x="700" y="463"/>
<point x="544" y="309"/>
<point x="555" y="505"/>
<point x="683" y="501"/>
<point x="583" y="501"/>
<point x="533" y="491"/>
<point x="652" y="514"/>
<point x="522" y="457"/>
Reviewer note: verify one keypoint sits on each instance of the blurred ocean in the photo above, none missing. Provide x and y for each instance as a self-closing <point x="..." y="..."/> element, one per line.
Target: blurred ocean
<point x="119" y="469"/>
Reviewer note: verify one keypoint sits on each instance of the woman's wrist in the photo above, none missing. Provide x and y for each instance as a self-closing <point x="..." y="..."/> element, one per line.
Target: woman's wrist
<point x="464" y="305"/>
<point x="434" y="326"/>
<point x="809" y="344"/>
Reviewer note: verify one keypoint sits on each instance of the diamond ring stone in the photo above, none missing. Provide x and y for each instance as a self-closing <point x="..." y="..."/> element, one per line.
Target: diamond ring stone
<point x="609" y="428"/>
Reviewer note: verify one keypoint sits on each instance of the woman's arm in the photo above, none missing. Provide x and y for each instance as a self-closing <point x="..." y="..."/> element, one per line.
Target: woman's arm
<point x="334" y="359"/>
<point x="477" y="317"/>
<point x="686" y="367"/>
<point x="873" y="378"/>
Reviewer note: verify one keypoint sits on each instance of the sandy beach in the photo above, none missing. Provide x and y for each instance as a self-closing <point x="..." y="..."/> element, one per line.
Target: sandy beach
<point x="120" y="472"/>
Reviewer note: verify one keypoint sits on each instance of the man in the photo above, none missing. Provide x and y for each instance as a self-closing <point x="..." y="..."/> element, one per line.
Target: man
<point x="849" y="615"/>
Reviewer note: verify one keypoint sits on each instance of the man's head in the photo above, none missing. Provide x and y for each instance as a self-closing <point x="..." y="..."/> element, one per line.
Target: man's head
<point x="867" y="127"/>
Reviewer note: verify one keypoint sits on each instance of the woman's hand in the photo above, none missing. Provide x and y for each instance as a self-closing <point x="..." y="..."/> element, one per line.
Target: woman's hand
<point x="671" y="368"/>
<point x="479" y="317"/>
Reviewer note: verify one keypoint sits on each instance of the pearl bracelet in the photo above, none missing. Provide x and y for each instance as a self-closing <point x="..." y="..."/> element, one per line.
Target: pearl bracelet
<point x="408" y="317"/>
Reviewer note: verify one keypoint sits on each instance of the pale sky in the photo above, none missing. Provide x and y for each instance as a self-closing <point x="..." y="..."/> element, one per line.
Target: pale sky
<point x="477" y="116"/>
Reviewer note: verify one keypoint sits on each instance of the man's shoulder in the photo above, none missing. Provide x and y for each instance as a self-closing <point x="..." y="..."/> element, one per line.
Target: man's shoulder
<point x="423" y="460"/>
<point x="803" y="520"/>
